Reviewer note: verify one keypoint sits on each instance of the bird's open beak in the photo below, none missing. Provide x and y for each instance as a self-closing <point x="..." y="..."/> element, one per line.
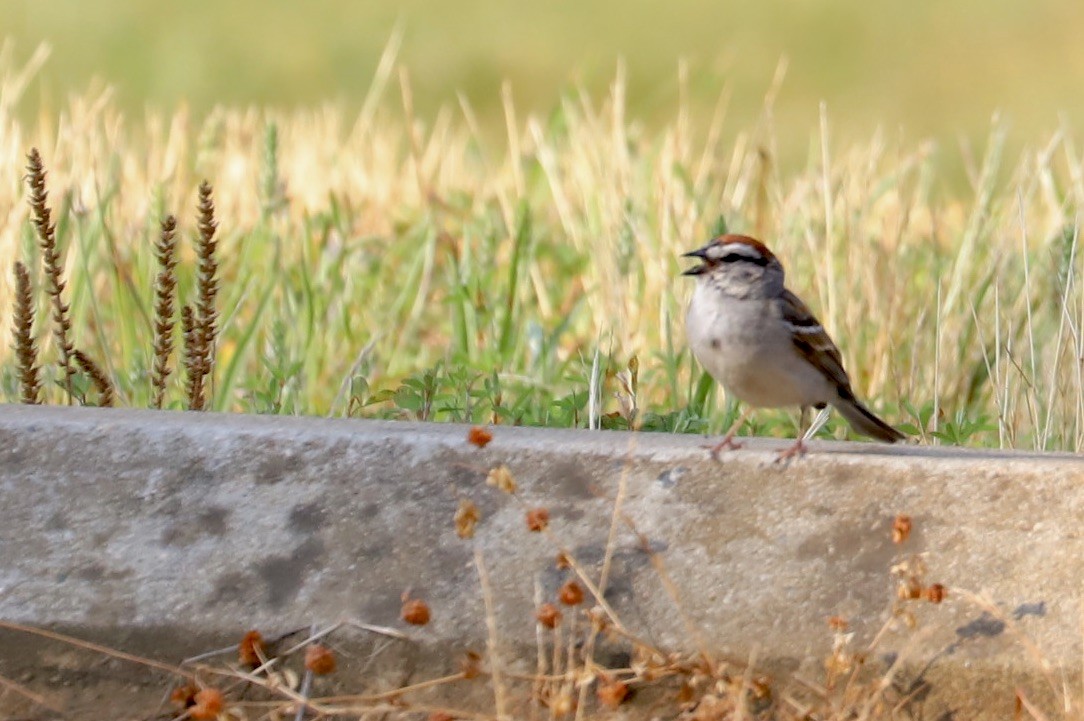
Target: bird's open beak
<point x="702" y="254"/>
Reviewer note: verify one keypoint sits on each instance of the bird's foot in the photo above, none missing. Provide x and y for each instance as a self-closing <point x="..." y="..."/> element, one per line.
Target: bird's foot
<point x="798" y="449"/>
<point x="727" y="444"/>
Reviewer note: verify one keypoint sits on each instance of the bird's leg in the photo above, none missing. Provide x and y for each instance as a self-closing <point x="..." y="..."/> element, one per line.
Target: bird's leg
<point x="798" y="449"/>
<point x="728" y="441"/>
<point x="806" y="431"/>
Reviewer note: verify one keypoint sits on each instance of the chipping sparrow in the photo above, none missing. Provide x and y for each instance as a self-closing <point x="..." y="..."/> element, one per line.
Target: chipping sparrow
<point x="762" y="343"/>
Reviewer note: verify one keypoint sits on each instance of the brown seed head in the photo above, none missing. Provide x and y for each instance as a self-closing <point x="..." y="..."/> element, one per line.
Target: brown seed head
<point x="471" y="665"/>
<point x="415" y="611"/>
<point x="252" y="651"/>
<point x="538" y="519"/>
<point x="563" y="704"/>
<point x="570" y="594"/>
<point x="184" y="696"/>
<point x="611" y="692"/>
<point x="548" y="615"/>
<point x="901" y="528"/>
<point x="319" y="659"/>
<point x="209" y="704"/>
<point x="440" y="716"/>
<point x="837" y="623"/>
<point x="935" y="593"/>
<point x="479" y="436"/>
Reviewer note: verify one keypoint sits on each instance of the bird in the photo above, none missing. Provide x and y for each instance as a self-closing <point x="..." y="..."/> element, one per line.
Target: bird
<point x="763" y="344"/>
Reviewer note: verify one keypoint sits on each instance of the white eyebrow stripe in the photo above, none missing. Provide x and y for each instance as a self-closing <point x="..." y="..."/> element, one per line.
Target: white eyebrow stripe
<point x="741" y="249"/>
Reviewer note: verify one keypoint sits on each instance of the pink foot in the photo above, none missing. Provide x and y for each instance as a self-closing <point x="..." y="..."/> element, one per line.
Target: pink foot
<point x="798" y="449"/>
<point x="727" y="444"/>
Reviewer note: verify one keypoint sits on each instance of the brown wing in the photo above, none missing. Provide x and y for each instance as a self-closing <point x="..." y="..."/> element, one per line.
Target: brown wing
<point x="812" y="341"/>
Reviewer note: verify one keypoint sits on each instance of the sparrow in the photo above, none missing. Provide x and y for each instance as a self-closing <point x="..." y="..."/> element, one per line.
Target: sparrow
<point x="763" y="344"/>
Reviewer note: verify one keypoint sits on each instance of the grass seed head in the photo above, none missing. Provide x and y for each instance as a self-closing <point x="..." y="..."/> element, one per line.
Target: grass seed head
<point x="909" y="590"/>
<point x="466" y="518"/>
<point x="501" y="478"/>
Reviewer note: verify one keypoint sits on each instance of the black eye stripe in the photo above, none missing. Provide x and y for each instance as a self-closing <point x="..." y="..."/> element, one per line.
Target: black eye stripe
<point x="739" y="257"/>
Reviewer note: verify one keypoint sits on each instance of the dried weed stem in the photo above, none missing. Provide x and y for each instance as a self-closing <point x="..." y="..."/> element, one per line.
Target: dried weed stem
<point x="100" y="379"/>
<point x="206" y="283"/>
<point x="54" y="267"/>
<point x="164" y="291"/>
<point x="26" y="354"/>
<point x="193" y="359"/>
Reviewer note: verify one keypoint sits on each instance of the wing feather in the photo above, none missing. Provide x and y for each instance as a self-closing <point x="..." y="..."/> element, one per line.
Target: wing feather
<point x="812" y="341"/>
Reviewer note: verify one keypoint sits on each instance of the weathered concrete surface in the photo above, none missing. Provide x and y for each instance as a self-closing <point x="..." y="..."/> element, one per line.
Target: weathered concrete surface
<point x="169" y="533"/>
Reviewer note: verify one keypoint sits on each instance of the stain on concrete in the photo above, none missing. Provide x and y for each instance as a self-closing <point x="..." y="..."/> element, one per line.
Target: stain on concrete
<point x="210" y="521"/>
<point x="194" y="473"/>
<point x="14" y="453"/>
<point x="307" y="518"/>
<point x="232" y="587"/>
<point x="569" y="481"/>
<point x="852" y="545"/>
<point x="58" y="521"/>
<point x="368" y="511"/>
<point x="670" y="477"/>
<point x="100" y="572"/>
<point x="382" y="605"/>
<point x="1037" y="608"/>
<point x="985" y="626"/>
<point x="275" y="466"/>
<point x="283" y="576"/>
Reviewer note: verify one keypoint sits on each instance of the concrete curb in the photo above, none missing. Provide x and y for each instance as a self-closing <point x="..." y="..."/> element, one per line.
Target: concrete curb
<point x="168" y="533"/>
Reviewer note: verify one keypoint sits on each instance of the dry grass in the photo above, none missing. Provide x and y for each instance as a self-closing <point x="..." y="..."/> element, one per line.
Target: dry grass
<point x="390" y="245"/>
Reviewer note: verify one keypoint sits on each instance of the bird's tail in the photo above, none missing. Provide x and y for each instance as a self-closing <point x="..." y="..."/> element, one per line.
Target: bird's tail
<point x="863" y="421"/>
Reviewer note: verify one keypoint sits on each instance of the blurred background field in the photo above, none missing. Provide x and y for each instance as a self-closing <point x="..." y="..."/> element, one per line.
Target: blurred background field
<point x="920" y="69"/>
<point x="404" y="234"/>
